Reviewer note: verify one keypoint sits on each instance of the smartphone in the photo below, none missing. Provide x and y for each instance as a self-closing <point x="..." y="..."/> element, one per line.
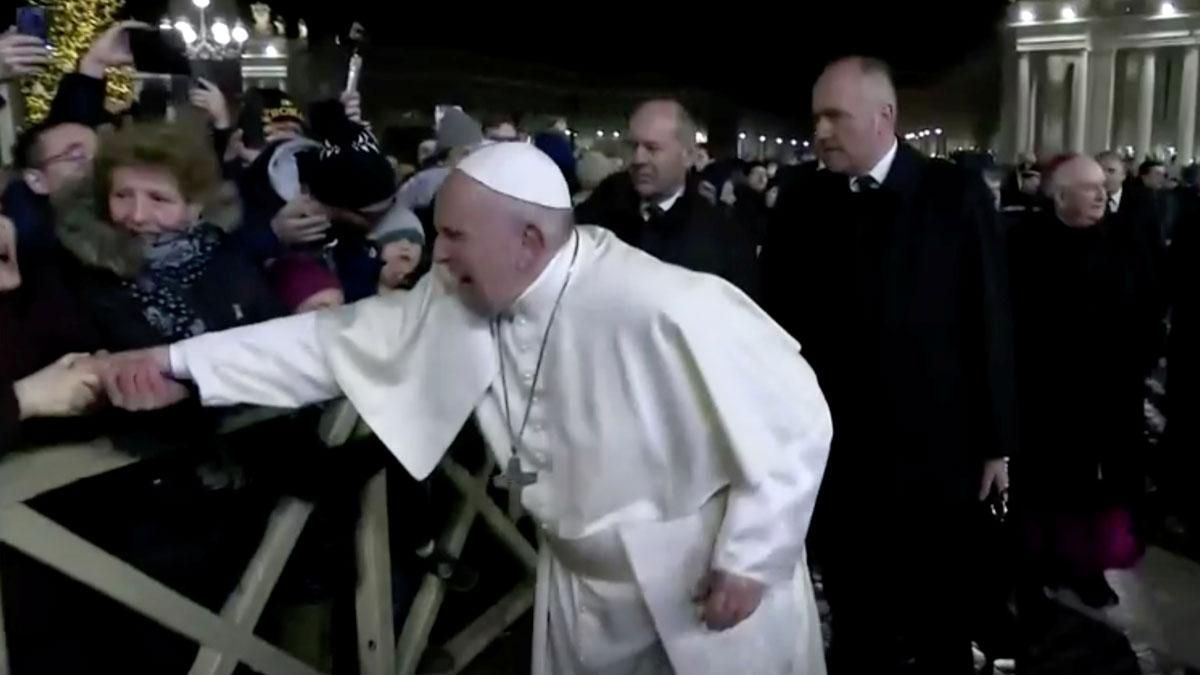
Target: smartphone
<point x="158" y="51"/>
<point x="34" y="22"/>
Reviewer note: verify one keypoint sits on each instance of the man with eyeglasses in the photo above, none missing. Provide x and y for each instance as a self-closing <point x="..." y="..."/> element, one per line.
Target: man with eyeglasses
<point x="52" y="154"/>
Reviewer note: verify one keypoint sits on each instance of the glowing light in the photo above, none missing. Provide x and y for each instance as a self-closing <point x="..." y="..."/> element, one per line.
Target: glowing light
<point x="793" y="142"/>
<point x="599" y="133"/>
<point x="165" y="24"/>
<point x="1067" y="13"/>
<point x="937" y="131"/>
<point x="701" y="137"/>
<point x="271" y="51"/>
<point x="1167" y="9"/>
<point x="1027" y="16"/>
<point x="806" y="144"/>
<point x="201" y="4"/>
<point x="239" y="33"/>
<point x="220" y="32"/>
<point x="762" y="139"/>
<point x="742" y="136"/>
<point x="616" y="134"/>
<point x="186" y="31"/>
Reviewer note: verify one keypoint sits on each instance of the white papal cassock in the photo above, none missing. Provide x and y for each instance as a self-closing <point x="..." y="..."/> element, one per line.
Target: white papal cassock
<point x="674" y="428"/>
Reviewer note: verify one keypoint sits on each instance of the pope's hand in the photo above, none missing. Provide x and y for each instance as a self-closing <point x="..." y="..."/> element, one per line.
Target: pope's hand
<point x="138" y="380"/>
<point x="724" y="599"/>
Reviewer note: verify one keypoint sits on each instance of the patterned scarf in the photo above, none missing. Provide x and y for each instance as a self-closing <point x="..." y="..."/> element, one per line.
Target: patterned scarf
<point x="174" y="263"/>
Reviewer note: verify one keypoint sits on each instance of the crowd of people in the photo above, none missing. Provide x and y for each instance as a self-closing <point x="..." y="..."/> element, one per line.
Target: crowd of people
<point x="961" y="317"/>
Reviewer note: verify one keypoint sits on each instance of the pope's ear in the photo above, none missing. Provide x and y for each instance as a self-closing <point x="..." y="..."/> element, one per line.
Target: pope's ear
<point x="534" y="238"/>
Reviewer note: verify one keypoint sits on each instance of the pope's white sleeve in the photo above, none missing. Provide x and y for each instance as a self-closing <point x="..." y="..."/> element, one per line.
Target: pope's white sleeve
<point x="279" y="364"/>
<point x="770" y="421"/>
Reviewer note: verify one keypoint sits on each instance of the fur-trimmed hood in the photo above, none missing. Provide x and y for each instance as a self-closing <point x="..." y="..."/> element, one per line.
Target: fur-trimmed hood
<point x="82" y="226"/>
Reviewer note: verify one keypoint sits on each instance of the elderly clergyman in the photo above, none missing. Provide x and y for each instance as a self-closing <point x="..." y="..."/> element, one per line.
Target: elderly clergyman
<point x="663" y="432"/>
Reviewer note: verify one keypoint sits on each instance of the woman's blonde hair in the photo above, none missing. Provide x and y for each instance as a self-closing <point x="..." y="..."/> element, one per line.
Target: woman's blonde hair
<point x="182" y="147"/>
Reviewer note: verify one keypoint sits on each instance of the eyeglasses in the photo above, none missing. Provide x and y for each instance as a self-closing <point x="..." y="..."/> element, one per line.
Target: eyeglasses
<point x="76" y="154"/>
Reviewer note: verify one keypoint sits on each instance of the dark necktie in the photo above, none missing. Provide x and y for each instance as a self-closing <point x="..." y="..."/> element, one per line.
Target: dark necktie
<point x="652" y="212"/>
<point x="865" y="183"/>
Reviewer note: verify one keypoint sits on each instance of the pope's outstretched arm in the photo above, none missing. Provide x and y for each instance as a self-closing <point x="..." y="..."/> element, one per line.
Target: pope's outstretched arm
<point x="278" y="363"/>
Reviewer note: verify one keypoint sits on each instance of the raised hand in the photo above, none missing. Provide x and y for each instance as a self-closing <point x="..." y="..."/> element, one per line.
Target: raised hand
<point x="301" y="221"/>
<point x="111" y="49"/>
<point x="206" y="96"/>
<point x="21" y="55"/>
<point x="725" y="599"/>
<point x="140" y="381"/>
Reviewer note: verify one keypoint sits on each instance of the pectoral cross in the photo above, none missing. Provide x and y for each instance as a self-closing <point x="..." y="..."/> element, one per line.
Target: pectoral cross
<point x="514" y="479"/>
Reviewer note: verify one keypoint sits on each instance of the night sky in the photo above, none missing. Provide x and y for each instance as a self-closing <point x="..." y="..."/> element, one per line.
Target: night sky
<point x="747" y="52"/>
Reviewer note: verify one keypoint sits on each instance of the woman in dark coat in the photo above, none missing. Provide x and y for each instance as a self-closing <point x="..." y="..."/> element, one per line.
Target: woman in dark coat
<point x="152" y="271"/>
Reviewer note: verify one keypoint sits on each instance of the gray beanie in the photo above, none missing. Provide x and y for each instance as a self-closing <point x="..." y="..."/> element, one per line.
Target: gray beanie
<point x="399" y="223"/>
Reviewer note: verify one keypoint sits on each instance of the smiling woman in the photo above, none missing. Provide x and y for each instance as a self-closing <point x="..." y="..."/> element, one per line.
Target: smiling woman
<point x="154" y="270"/>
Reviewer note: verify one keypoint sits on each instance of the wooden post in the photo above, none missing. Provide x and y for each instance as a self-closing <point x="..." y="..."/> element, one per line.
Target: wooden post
<point x="373" y="599"/>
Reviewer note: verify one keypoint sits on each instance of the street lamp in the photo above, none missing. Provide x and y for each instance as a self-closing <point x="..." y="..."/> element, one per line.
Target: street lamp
<point x="937" y="131"/>
<point x="762" y="139"/>
<point x="210" y="41"/>
<point x="742" y="136"/>
<point x="1067" y="13"/>
<point x="1027" y="15"/>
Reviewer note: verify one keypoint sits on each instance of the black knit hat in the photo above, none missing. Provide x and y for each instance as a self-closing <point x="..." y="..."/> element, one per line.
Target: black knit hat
<point x="351" y="171"/>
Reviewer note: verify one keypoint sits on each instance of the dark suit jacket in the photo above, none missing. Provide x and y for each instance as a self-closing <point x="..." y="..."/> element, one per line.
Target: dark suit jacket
<point x="694" y="233"/>
<point x="899" y="299"/>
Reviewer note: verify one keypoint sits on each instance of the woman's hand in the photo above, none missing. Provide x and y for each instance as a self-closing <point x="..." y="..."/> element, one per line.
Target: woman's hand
<point x="68" y="387"/>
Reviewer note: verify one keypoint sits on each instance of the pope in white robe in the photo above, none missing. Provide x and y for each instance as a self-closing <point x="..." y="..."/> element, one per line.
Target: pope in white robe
<point x="670" y="436"/>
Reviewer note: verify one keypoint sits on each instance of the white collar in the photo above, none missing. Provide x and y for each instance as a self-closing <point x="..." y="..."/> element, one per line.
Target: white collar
<point x="882" y="167"/>
<point x="537" y="301"/>
<point x="1115" y="198"/>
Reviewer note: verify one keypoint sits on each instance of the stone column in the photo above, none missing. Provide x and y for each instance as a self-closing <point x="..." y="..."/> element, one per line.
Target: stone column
<point x="1079" y="104"/>
<point x="1145" y="105"/>
<point x="1024" y="138"/>
<point x="1053" y="99"/>
<point x="1186" y="145"/>
<point x="1101" y="100"/>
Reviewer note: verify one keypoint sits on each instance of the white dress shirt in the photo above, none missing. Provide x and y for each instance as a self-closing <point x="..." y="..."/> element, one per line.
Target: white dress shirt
<point x="664" y="204"/>
<point x="1114" y="200"/>
<point x="881" y="169"/>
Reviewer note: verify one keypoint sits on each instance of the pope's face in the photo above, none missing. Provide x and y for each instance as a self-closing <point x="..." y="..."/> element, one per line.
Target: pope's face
<point x="482" y="250"/>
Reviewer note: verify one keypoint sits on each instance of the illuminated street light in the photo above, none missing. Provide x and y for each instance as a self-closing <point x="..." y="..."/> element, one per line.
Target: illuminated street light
<point x="778" y="141"/>
<point x="742" y="136"/>
<point x="793" y="142"/>
<point x="239" y="33"/>
<point x="599" y="133"/>
<point x="1067" y="13"/>
<point x="271" y="51"/>
<point x="616" y="134"/>
<point x="762" y="139"/>
<point x="1027" y="16"/>
<point x="201" y="4"/>
<point x="806" y="144"/>
<point x="220" y="32"/>
<point x="1167" y="9"/>
<point x="937" y="131"/>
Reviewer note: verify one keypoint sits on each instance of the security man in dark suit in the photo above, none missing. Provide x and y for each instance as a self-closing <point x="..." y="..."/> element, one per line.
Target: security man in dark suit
<point x="657" y="207"/>
<point x="888" y="269"/>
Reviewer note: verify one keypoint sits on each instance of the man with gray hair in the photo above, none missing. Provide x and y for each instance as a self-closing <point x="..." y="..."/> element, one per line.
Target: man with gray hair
<point x="656" y="205"/>
<point x="886" y="267"/>
<point x="666" y="436"/>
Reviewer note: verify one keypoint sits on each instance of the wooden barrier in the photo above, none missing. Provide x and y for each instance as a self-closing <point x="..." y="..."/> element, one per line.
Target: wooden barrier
<point x="228" y="638"/>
